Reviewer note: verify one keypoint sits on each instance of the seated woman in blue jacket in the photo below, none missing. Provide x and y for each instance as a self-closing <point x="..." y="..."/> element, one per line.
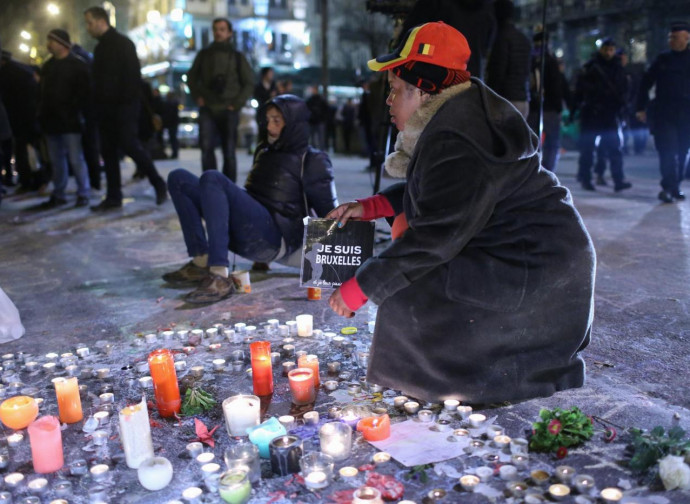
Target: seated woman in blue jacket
<point x="262" y="221"/>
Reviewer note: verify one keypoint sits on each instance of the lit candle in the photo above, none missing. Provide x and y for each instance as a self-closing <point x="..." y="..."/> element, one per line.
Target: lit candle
<point x="559" y="491"/>
<point x="336" y="440"/>
<point x="191" y="494"/>
<point x="245" y="456"/>
<point x="305" y="325"/>
<point x="469" y="482"/>
<point x="317" y="469"/>
<point x="135" y="434"/>
<point x="14" y="480"/>
<point x="381" y="457"/>
<point x="62" y="488"/>
<point x="241" y="412"/>
<point x="367" y="495"/>
<point x="501" y="441"/>
<point x="400" y="401"/>
<point x="316" y="480"/>
<point x="18" y="412"/>
<point x="155" y="473"/>
<point x="610" y="495"/>
<point x="584" y="483"/>
<point x="275" y="357"/>
<point x="234" y="487"/>
<point x="46" y="444"/>
<point x="312" y="362"/>
<point x="411" y="407"/>
<point x="68" y="399"/>
<point x="494" y="430"/>
<point x="285" y="453"/>
<point x="78" y="467"/>
<point x="99" y="472"/>
<point x="165" y="386"/>
<point x="261" y="435"/>
<point x="348" y="472"/>
<point x="330" y="385"/>
<point x="197" y="371"/>
<point x="287" y="367"/>
<point x="464" y="411"/>
<point x="565" y="473"/>
<point x="425" y="415"/>
<point x="375" y="428"/>
<point x="302" y="385"/>
<point x="262" y="371"/>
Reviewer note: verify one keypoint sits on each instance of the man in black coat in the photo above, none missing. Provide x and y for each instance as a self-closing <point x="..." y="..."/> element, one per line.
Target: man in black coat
<point x="670" y="114"/>
<point x="600" y="94"/>
<point x="263" y="220"/>
<point x="116" y="78"/>
<point x="508" y="69"/>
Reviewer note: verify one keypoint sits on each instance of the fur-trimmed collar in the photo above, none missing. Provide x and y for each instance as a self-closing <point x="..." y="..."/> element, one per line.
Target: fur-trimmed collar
<point x="397" y="161"/>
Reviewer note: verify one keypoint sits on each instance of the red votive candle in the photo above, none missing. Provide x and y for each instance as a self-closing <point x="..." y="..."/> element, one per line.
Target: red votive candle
<point x="46" y="444"/>
<point x="302" y="385"/>
<point x="165" y="386"/>
<point x="262" y="371"/>
<point x="375" y="428"/>
<point x="311" y="362"/>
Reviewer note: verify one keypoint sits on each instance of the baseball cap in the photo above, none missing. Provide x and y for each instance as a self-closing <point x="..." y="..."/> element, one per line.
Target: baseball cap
<point x="432" y="43"/>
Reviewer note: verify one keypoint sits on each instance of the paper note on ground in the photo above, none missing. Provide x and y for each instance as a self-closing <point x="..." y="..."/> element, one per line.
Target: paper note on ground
<point x="412" y="443"/>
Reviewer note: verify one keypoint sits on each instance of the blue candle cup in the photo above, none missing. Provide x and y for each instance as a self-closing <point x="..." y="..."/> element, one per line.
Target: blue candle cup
<point x="262" y="434"/>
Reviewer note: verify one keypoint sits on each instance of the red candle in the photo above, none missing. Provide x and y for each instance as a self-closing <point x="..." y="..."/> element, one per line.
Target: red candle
<point x="165" y="386"/>
<point x="262" y="371"/>
<point x="311" y="362"/>
<point x="375" y="428"/>
<point x="46" y="444"/>
<point x="302" y="385"/>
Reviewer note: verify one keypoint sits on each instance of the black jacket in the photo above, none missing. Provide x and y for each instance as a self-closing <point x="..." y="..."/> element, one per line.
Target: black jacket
<point x="508" y="69"/>
<point x="288" y="171"/>
<point x="600" y="92"/>
<point x="473" y="18"/>
<point x="19" y="93"/>
<point x="670" y="71"/>
<point x="65" y="89"/>
<point x="556" y="90"/>
<point x="116" y="72"/>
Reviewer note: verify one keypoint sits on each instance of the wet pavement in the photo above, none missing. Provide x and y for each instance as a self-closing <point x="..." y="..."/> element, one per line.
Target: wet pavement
<point x="77" y="277"/>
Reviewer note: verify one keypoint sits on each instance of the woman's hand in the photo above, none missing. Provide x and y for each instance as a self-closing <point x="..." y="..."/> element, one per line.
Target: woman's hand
<point x="345" y="212"/>
<point x="337" y="303"/>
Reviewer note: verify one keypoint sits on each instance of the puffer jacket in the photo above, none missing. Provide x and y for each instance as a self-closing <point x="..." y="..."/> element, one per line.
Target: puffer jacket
<point x="289" y="174"/>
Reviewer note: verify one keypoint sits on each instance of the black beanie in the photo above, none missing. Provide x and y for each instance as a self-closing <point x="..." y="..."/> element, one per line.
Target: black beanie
<point x="61" y="37"/>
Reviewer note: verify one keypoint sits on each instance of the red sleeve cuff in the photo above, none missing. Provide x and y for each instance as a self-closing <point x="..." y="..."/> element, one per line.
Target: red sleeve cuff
<point x="352" y="295"/>
<point x="375" y="207"/>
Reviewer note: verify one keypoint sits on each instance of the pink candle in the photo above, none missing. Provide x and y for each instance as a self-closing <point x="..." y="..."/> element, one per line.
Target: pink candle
<point x="302" y="385"/>
<point x="311" y="362"/>
<point x="46" y="444"/>
<point x="262" y="371"/>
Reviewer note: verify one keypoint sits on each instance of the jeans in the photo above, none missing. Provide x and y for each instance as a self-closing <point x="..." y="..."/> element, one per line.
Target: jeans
<point x="672" y="141"/>
<point x="610" y="144"/>
<point x="234" y="220"/>
<point x="214" y="126"/>
<point x="60" y="149"/>
<point x="118" y="127"/>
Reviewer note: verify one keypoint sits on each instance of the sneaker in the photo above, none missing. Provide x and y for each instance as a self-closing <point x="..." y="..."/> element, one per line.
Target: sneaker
<point x="82" y="201"/>
<point x="213" y="288"/>
<point x="161" y="193"/>
<point x="106" y="205"/>
<point x="260" y="266"/>
<point x="188" y="273"/>
<point x="622" y="186"/>
<point x="679" y="195"/>
<point x="53" y="202"/>
<point x="665" y="197"/>
<point x="601" y="180"/>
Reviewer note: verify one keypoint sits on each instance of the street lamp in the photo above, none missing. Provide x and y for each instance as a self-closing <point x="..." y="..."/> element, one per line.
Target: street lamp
<point x="25" y="35"/>
<point x="53" y="9"/>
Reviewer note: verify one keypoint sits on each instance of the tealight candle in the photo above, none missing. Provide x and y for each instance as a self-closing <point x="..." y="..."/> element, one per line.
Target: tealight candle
<point x="501" y="441"/>
<point x="15" y="439"/>
<point x="425" y="415"/>
<point x="333" y="367"/>
<point x="559" y="491"/>
<point x="468" y="482"/>
<point x="354" y="388"/>
<point x="287" y="421"/>
<point x="194" y="449"/>
<point x="146" y="382"/>
<point x="311" y="418"/>
<point x="565" y="474"/>
<point x="539" y="477"/>
<point x="517" y="488"/>
<point x="519" y="460"/>
<point x="375" y="388"/>
<point x="484" y="473"/>
<point x="519" y="446"/>
<point x="31" y="366"/>
<point x="335" y="412"/>
<point x="330" y="385"/>
<point x="400" y="401"/>
<point x="180" y="365"/>
<point x="411" y="407"/>
<point x="442" y="425"/>
<point x="292" y="327"/>
<point x="494" y="430"/>
<point x="317" y="469"/>
<point x="461" y="433"/>
<point x="73" y="370"/>
<point x="38" y="486"/>
<point x="288" y="366"/>
<point x="275" y="357"/>
<point x="49" y="367"/>
<point x="305" y="325"/>
<point x="62" y="488"/>
<point x="283" y="330"/>
<point x="150" y="338"/>
<point x="142" y="367"/>
<point x="230" y="335"/>
<point x="583" y="483"/>
<point x="208" y="470"/>
<point x="490" y="458"/>
<point x="218" y="364"/>
<point x="52" y="357"/>
<point x="99" y="437"/>
<point x="14" y="480"/>
<point x="83" y="352"/>
<point x="191" y="494"/>
<point x="103" y="373"/>
<point x="381" y="457"/>
<point x="316" y="480"/>
<point x="250" y="331"/>
<point x="610" y="495"/>
<point x="205" y="458"/>
<point x="237" y="365"/>
<point x="476" y="419"/>
<point x="241" y="412"/>
<point x="168" y="335"/>
<point x="338" y="341"/>
<point x="212" y="333"/>
<point x="348" y="472"/>
<point x="197" y="371"/>
<point x="78" y="467"/>
<point x="507" y="472"/>
<point x="451" y="404"/>
<point x="289" y="350"/>
<point x="367" y="495"/>
<point x="101" y="417"/>
<point x="107" y="398"/>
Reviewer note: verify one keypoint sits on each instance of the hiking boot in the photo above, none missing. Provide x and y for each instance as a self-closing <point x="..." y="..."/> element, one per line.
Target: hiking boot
<point x="188" y="273"/>
<point x="260" y="266"/>
<point x="161" y="193"/>
<point x="82" y="201"/>
<point x="107" y="205"/>
<point x="53" y="202"/>
<point x="213" y="288"/>
<point x="601" y="180"/>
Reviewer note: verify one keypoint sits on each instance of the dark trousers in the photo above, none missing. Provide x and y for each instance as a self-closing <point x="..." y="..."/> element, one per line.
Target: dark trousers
<point x="610" y="144"/>
<point x="234" y="219"/>
<point x="118" y="128"/>
<point x="90" y="144"/>
<point x="214" y="128"/>
<point x="672" y="141"/>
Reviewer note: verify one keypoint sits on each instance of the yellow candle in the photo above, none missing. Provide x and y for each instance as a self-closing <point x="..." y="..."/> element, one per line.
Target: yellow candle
<point x="69" y="402"/>
<point x="18" y="412"/>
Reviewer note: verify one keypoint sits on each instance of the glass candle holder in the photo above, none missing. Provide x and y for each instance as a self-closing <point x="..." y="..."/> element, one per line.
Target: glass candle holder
<point x="367" y="495"/>
<point x="165" y="386"/>
<point x="302" y="385"/>
<point x="244" y="456"/>
<point x="317" y="470"/>
<point x="336" y="440"/>
<point x="262" y="371"/>
<point x="312" y="362"/>
<point x="285" y="452"/>
<point x="234" y="487"/>
<point x="241" y="412"/>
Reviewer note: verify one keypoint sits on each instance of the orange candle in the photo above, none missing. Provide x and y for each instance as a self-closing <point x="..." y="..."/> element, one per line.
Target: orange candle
<point x="375" y="428"/>
<point x="69" y="402"/>
<point x="18" y="412"/>
<point x="262" y="371"/>
<point x="302" y="385"/>
<point x="311" y="362"/>
<point x="165" y="386"/>
<point x="46" y="444"/>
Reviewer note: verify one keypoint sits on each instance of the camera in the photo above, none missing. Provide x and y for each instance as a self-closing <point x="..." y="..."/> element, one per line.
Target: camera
<point x="218" y="83"/>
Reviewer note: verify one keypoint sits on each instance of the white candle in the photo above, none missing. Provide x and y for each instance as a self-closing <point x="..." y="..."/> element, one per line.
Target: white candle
<point x="150" y="338"/>
<point x="609" y="495"/>
<point x="381" y="457"/>
<point x="476" y="419"/>
<point x="192" y="493"/>
<point x="316" y="480"/>
<point x="451" y="404"/>
<point x="205" y="458"/>
<point x="135" y="434"/>
<point x="38" y="485"/>
<point x="305" y="325"/>
<point x="241" y="412"/>
<point x="287" y="421"/>
<point x="292" y="326"/>
<point x="15" y="439"/>
<point x="155" y="473"/>
<point x="311" y="417"/>
<point x="559" y="491"/>
<point x="99" y="471"/>
<point x="468" y="482"/>
<point x="13" y="480"/>
<point x="348" y="472"/>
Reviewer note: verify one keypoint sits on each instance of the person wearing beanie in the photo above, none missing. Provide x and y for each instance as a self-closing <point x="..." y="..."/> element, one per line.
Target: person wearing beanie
<point x="64" y="94"/>
<point x="486" y="292"/>
<point x="669" y="114"/>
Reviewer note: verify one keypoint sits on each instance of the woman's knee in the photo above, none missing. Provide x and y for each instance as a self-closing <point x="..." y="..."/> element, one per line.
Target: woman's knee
<point x="180" y="176"/>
